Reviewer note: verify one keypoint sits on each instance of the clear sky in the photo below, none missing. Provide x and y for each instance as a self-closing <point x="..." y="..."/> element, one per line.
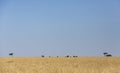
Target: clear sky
<point x="59" y="27"/>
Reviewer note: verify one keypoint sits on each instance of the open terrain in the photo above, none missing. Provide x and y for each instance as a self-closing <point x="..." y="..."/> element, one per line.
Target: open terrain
<point x="60" y="65"/>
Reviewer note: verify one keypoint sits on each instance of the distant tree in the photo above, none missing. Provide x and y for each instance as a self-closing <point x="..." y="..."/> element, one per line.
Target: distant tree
<point x="43" y="56"/>
<point x="75" y="56"/>
<point x="108" y="55"/>
<point x="67" y="56"/>
<point x="57" y="56"/>
<point x="105" y="53"/>
<point x="11" y="54"/>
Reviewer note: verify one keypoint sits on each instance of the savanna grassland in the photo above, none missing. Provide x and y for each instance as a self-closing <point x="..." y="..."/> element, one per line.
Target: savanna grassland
<point x="60" y="65"/>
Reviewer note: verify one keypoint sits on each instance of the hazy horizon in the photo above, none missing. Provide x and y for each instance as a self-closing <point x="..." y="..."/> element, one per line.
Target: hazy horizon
<point x="59" y="27"/>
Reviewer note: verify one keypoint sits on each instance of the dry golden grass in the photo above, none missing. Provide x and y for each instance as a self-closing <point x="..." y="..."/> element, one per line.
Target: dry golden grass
<point x="60" y="65"/>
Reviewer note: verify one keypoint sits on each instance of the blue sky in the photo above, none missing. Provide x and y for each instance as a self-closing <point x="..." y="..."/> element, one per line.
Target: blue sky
<point x="59" y="27"/>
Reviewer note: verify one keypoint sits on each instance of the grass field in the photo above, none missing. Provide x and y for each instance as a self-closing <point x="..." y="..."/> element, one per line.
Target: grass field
<point x="60" y="65"/>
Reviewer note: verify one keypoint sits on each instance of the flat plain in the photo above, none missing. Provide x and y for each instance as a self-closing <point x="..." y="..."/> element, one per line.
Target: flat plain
<point x="60" y="65"/>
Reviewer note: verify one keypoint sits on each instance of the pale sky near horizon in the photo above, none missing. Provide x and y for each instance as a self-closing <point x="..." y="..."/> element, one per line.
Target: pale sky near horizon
<point x="59" y="27"/>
